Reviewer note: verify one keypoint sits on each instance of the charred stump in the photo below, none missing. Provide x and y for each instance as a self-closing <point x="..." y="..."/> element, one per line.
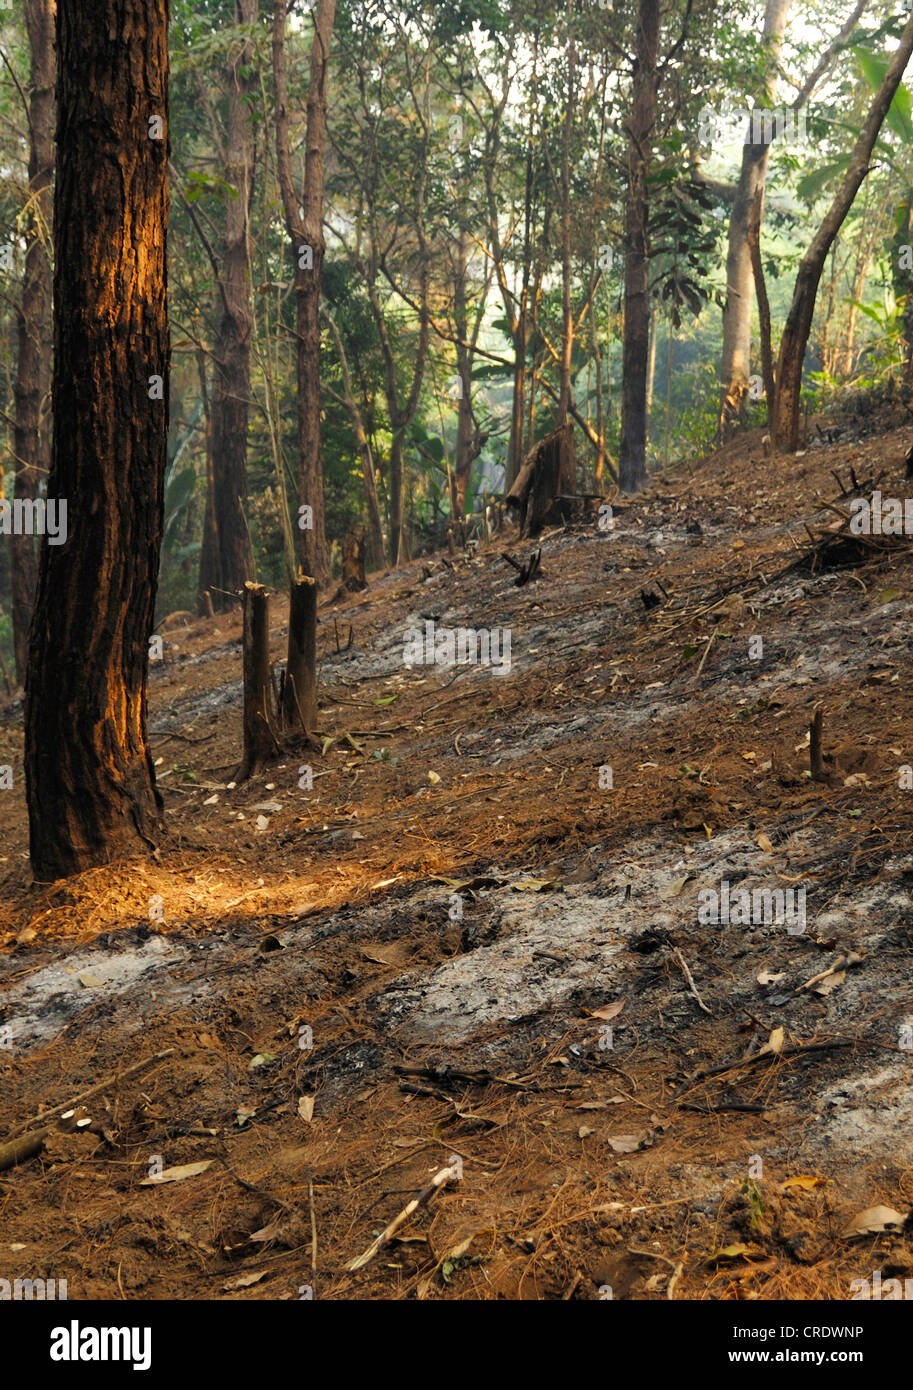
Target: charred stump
<point x="548" y="476"/>
<point x="299" y="690"/>
<point x="260" y="742"/>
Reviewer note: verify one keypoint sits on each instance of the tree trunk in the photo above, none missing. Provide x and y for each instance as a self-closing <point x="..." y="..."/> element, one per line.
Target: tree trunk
<point x="305" y="226"/>
<point x="785" y="416"/>
<point x="632" y="460"/>
<point x="259" y="739"/>
<point x="353" y="560"/>
<point x="567" y="314"/>
<point x="464" y="451"/>
<point x="31" y="442"/>
<point x="231" y="393"/>
<point x="376" y="557"/>
<point x="299" y="696"/>
<point x="757" y="269"/>
<point x="89" y="776"/>
<point x="735" y="364"/>
<point x="549" y="472"/>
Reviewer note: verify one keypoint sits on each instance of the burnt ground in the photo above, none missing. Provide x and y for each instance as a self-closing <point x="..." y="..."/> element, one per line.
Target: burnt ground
<point x="461" y="943"/>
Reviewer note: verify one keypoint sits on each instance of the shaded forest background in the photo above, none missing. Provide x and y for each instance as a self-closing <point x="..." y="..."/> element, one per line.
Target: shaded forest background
<point x="478" y="226"/>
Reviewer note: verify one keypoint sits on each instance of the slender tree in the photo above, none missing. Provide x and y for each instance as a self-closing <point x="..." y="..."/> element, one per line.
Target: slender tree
<point x="226" y="561"/>
<point x="31" y="439"/>
<point x="632" y="460"/>
<point x="747" y="210"/>
<point x="785" y="416"/>
<point x="304" y="220"/>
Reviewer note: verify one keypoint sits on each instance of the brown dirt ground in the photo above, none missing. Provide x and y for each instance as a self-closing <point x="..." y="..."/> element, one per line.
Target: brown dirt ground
<point x="332" y="915"/>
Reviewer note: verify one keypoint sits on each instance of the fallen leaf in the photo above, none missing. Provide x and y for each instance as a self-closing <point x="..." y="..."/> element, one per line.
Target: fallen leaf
<point x="872" y="1222"/>
<point x="244" y="1281"/>
<point x="628" y="1143"/>
<point x="608" y="1010"/>
<point x="261" y="1059"/>
<point x="534" y="885"/>
<point x="763" y="842"/>
<point x="185" y="1170"/>
<point x="267" y="1233"/>
<point x="769" y="977"/>
<point x="306" y="1108"/>
<point x="804" y="1181"/>
<point x="774" y="1042"/>
<point x="728" y="1252"/>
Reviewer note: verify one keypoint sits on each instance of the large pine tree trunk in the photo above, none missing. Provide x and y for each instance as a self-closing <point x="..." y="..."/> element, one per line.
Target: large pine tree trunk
<point x="785" y="415"/>
<point x="31" y="439"/>
<point x="89" y="777"/>
<point x="305" y="225"/>
<point x="632" y="457"/>
<point x="231" y="385"/>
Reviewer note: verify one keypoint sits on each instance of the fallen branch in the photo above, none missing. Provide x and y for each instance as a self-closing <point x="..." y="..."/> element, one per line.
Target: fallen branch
<point x="386" y="1235"/>
<point x="137" y="1067"/>
<point x="691" y="985"/>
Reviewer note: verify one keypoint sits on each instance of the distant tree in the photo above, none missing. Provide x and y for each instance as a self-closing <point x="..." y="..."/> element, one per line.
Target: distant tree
<point x="31" y="438"/>
<point x="785" y="415"/>
<point x="304" y="221"/>
<point x="226" y="561"/>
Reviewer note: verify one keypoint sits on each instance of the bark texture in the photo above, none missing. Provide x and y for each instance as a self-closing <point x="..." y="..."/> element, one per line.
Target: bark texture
<point x="89" y="776"/>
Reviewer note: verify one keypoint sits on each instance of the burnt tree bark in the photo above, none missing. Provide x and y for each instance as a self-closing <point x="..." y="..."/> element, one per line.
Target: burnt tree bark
<point x="89" y="777"/>
<point x="259" y="738"/>
<point x="31" y="437"/>
<point x="549" y="473"/>
<point x="299" y="693"/>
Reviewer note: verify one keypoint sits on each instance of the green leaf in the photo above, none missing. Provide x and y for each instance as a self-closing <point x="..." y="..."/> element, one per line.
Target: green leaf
<point x="873" y="68"/>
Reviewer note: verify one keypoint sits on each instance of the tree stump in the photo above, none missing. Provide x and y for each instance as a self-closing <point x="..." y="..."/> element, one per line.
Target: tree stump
<point x="299" y="691"/>
<point x="260" y="742"/>
<point x="353" y="561"/>
<point x="548" y="473"/>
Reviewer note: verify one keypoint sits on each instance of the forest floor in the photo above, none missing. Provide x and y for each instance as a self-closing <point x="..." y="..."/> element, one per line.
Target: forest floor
<point x="461" y="944"/>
